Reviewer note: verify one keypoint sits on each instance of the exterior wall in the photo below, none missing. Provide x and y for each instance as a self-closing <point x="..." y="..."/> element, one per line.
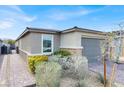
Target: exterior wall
<point x="56" y="42"/>
<point x="24" y="55"/>
<point x="70" y="40"/>
<point x="36" y="43"/>
<point x="117" y="45"/>
<point x="73" y="39"/>
<point x="32" y="43"/>
<point x="25" y="43"/>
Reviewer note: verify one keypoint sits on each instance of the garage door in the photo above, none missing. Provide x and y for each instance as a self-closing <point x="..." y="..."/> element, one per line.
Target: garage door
<point x="91" y="49"/>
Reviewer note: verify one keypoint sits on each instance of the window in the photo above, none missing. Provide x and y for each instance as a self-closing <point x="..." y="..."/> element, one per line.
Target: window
<point x="47" y="44"/>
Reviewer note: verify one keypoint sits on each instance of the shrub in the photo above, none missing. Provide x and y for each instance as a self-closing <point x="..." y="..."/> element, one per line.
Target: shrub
<point x="80" y="66"/>
<point x="54" y="58"/>
<point x="32" y="60"/>
<point x="63" y="53"/>
<point x="48" y="74"/>
<point x="74" y="66"/>
<point x="83" y="83"/>
<point x="65" y="63"/>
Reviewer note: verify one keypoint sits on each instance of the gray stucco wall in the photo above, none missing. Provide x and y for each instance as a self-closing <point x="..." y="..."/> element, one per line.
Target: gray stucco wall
<point x="25" y="43"/>
<point x="56" y="42"/>
<point x="70" y="40"/>
<point x="36" y="43"/>
<point x="73" y="39"/>
<point x="32" y="42"/>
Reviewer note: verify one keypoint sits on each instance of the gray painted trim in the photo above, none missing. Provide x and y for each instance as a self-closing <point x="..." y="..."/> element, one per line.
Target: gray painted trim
<point x="85" y="36"/>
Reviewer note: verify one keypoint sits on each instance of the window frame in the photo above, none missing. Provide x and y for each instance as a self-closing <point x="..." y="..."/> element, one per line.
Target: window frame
<point x="52" y="43"/>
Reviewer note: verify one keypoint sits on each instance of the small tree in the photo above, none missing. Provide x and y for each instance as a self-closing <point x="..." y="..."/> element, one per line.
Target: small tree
<point x="9" y="41"/>
<point x="105" y="49"/>
<point x="118" y="53"/>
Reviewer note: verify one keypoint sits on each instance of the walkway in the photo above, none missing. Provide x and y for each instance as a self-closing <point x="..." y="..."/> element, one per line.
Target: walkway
<point x="14" y="72"/>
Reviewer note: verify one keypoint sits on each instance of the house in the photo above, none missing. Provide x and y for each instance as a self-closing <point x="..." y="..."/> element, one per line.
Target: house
<point x="118" y="49"/>
<point x="79" y="41"/>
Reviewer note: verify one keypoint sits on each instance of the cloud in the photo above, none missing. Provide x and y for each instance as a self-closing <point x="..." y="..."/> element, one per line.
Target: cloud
<point x="10" y="16"/>
<point x="16" y="8"/>
<point x="63" y="15"/>
<point x="60" y="15"/>
<point x="6" y="24"/>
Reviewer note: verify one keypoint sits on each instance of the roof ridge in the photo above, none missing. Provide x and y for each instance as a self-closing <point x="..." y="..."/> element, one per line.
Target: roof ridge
<point x="42" y="29"/>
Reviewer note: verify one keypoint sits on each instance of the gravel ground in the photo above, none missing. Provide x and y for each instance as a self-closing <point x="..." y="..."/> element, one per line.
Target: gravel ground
<point x="90" y="81"/>
<point x="98" y="67"/>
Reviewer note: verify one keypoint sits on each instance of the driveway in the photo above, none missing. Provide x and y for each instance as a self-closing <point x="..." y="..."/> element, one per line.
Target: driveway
<point x="98" y="67"/>
<point x="1" y="60"/>
<point x="14" y="72"/>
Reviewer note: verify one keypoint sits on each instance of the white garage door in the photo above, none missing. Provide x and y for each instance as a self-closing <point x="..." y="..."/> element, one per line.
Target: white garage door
<point x="91" y="49"/>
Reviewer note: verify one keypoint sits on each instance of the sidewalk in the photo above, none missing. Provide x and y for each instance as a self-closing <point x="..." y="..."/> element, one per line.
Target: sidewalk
<point x="15" y="72"/>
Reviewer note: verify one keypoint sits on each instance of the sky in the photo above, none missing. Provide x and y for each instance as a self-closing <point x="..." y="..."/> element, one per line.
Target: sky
<point x="14" y="19"/>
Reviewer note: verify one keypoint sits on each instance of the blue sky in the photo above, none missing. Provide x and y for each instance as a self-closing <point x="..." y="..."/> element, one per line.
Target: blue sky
<point x="14" y="19"/>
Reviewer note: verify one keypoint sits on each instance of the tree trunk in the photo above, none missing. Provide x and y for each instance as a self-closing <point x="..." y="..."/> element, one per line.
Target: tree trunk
<point x="112" y="77"/>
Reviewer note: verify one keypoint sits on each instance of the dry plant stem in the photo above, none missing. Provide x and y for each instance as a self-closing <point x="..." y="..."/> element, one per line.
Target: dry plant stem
<point x="104" y="74"/>
<point x="110" y="52"/>
<point x="112" y="74"/>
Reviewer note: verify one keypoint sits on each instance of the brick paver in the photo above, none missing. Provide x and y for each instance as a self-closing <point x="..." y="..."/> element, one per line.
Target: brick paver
<point x="15" y="72"/>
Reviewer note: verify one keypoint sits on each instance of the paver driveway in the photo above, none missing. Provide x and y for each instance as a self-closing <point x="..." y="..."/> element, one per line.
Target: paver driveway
<point x="1" y="60"/>
<point x="98" y="67"/>
<point x="14" y="72"/>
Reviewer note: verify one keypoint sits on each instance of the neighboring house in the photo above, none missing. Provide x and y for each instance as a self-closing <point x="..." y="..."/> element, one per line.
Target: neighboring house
<point x="78" y="41"/>
<point x="116" y="44"/>
<point x="0" y="45"/>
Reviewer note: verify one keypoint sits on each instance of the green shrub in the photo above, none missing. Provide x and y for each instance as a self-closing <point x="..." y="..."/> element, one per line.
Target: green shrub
<point x="54" y="58"/>
<point x="48" y="74"/>
<point x="63" y="53"/>
<point x="32" y="60"/>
